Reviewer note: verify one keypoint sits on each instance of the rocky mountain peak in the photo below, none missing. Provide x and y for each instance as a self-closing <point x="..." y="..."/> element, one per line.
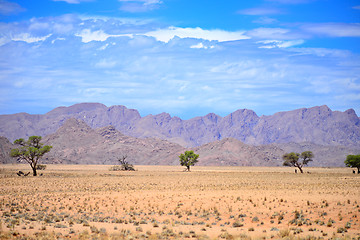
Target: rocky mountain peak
<point x="77" y="108"/>
<point x="212" y="117"/>
<point x="109" y="132"/>
<point x="73" y="124"/>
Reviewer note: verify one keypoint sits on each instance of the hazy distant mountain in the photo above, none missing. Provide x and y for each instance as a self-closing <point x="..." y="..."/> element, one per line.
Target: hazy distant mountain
<point x="319" y="125"/>
<point x="77" y="143"/>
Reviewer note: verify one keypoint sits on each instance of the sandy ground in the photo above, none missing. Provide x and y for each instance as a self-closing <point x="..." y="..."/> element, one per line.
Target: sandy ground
<point x="91" y="202"/>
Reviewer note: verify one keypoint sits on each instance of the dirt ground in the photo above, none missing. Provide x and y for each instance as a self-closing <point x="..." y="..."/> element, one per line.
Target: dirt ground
<point x="164" y="202"/>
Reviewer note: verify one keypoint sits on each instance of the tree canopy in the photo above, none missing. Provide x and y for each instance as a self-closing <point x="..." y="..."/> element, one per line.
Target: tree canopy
<point x="188" y="159"/>
<point x="298" y="160"/>
<point x="30" y="151"/>
<point x="353" y="161"/>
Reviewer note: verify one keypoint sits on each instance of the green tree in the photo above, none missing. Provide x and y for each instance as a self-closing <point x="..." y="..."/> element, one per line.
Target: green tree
<point x="188" y="159"/>
<point x="298" y="160"/>
<point x="353" y="161"/>
<point x="30" y="151"/>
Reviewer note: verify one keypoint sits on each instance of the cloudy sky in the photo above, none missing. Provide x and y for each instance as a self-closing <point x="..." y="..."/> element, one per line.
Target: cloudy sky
<point x="184" y="57"/>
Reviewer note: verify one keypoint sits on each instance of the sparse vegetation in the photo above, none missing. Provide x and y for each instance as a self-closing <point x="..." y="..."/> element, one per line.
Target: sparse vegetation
<point x="89" y="202"/>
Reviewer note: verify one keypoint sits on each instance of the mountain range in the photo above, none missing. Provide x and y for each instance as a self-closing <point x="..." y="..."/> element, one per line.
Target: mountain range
<point x="319" y="125"/>
<point x="76" y="143"/>
<point x="91" y="133"/>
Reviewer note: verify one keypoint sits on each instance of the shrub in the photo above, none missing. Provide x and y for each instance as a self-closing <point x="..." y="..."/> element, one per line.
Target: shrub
<point x="125" y="166"/>
<point x="237" y="224"/>
<point x="115" y="168"/>
<point x="348" y="225"/>
<point x="341" y="230"/>
<point x="284" y="233"/>
<point x="40" y="167"/>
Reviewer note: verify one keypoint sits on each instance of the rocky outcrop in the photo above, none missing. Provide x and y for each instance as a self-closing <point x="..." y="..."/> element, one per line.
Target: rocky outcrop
<point x="232" y="152"/>
<point x="76" y="143"/>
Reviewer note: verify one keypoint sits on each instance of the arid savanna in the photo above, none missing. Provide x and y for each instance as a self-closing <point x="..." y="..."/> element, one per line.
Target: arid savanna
<point x="165" y="202"/>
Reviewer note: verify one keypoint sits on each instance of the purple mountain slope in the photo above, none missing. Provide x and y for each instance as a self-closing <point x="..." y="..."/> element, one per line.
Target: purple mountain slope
<point x="319" y="125"/>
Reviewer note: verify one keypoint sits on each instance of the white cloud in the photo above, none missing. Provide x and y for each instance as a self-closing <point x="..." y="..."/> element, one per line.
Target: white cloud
<point x="280" y="44"/>
<point x="9" y="8"/>
<point x="290" y="1"/>
<point x="35" y="26"/>
<point x="356" y="7"/>
<point x="105" y="63"/>
<point x="201" y="45"/>
<point x="73" y="1"/>
<point x="165" y="35"/>
<point x="260" y="11"/>
<point x="322" y="52"/>
<point x="4" y="41"/>
<point x="94" y="92"/>
<point x="265" y="20"/>
<point x="87" y="35"/>
<point x="334" y="29"/>
<point x="103" y="47"/>
<point x="269" y="33"/>
<point x="63" y="28"/>
<point x="145" y="2"/>
<point x="139" y="5"/>
<point x="26" y="37"/>
<point x="58" y="39"/>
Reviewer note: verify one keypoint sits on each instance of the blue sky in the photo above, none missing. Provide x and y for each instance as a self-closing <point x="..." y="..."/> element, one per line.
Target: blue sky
<point x="187" y="58"/>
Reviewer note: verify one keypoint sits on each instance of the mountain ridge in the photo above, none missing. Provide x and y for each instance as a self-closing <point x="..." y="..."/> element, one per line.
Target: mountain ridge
<point x="319" y="125"/>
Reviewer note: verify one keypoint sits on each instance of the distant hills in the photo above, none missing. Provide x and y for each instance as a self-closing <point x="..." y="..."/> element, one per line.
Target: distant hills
<point x="91" y="133"/>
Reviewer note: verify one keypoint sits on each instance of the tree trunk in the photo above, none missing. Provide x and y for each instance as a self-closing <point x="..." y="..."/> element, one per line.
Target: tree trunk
<point x="300" y="169"/>
<point x="188" y="168"/>
<point x="34" y="171"/>
<point x="358" y="170"/>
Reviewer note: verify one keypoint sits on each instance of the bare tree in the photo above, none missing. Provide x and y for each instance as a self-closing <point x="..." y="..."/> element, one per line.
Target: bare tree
<point x="125" y="166"/>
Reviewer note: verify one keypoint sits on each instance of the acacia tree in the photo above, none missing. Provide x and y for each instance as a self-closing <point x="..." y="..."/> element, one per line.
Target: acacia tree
<point x="30" y="151"/>
<point x="188" y="159"/>
<point x="353" y="161"/>
<point x="298" y="160"/>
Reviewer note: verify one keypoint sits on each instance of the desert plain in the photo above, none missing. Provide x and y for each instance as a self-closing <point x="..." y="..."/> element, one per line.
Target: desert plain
<point x="164" y="202"/>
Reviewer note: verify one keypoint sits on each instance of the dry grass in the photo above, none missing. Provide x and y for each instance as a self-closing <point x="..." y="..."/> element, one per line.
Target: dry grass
<point x="91" y="202"/>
